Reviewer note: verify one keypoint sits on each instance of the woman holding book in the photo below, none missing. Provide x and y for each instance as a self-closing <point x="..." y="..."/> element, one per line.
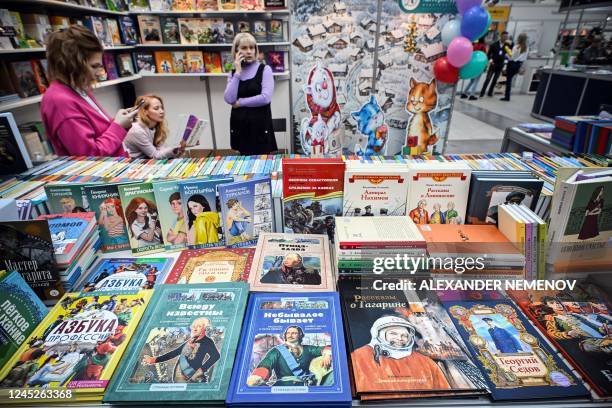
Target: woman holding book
<point x="75" y="122"/>
<point x="149" y="132"/>
<point x="249" y="90"/>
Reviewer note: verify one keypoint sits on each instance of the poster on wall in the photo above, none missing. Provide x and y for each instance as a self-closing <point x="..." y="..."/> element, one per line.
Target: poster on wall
<point x="344" y="102"/>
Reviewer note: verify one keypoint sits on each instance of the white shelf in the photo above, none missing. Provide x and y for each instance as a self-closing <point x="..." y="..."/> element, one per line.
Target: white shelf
<point x="119" y="47"/>
<point x="205" y="74"/>
<point x="213" y="12"/>
<point x="219" y="45"/>
<point x="68" y="6"/>
<point x="118" y="81"/>
<point x="22" y="50"/>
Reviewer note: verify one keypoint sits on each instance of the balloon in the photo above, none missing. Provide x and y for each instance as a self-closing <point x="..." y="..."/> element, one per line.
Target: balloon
<point x="475" y="66"/>
<point x="474" y="22"/>
<point x="465" y="5"/>
<point x="445" y="72"/>
<point x="451" y="29"/>
<point x="486" y="29"/>
<point x="459" y="51"/>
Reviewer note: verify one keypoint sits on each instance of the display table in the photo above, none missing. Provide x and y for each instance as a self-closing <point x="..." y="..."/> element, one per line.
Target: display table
<point x="517" y="141"/>
<point x="570" y="93"/>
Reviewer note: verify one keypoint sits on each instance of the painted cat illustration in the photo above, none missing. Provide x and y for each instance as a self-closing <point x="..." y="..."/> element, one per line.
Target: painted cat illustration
<point x="318" y="132"/>
<point x="422" y="99"/>
<point x="371" y="122"/>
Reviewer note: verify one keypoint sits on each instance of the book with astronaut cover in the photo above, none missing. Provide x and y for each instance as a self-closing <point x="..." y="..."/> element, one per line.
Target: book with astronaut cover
<point x="402" y="342"/>
<point x="578" y="323"/>
<point x="185" y="346"/>
<point x="77" y="346"/>
<point x="517" y="362"/>
<point x="291" y="350"/>
<point x="212" y="265"/>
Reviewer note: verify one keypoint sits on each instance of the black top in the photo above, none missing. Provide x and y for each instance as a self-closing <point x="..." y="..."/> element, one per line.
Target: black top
<point x="496" y="53"/>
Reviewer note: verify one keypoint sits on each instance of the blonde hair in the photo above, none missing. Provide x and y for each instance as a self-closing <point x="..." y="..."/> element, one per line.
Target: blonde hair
<point x="161" y="129"/>
<point x="522" y="42"/>
<point x="246" y="38"/>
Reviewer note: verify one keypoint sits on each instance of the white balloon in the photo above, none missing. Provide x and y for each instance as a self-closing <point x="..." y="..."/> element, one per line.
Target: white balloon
<point x="451" y="30"/>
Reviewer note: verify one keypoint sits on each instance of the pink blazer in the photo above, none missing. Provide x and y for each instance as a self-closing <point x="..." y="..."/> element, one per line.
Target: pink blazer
<point x="75" y="128"/>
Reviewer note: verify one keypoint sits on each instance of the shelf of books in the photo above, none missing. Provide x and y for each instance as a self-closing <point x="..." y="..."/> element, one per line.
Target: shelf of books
<point x="22" y="50"/>
<point x="203" y="74"/>
<point x="211" y="12"/>
<point x="224" y="45"/>
<point x="71" y="6"/>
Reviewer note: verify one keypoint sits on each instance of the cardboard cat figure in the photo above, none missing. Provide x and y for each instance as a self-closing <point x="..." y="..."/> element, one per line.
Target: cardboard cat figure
<point x="320" y="93"/>
<point x="371" y="123"/>
<point x="422" y="99"/>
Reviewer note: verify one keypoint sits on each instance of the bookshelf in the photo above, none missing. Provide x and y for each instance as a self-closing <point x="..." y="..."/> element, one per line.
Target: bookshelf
<point x="42" y="49"/>
<point x="60" y="5"/>
<point x="216" y="45"/>
<point x="211" y="12"/>
<point x="204" y="74"/>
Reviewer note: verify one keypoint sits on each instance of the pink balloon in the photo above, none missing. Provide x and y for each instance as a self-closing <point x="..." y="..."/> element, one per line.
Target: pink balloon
<point x="459" y="51"/>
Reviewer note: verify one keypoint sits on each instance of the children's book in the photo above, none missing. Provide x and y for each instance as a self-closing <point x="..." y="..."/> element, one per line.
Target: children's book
<point x="105" y="202"/>
<point x="141" y="217"/>
<point x="66" y="198"/>
<point x="126" y="274"/>
<point x="169" y="204"/>
<point x="163" y="62"/>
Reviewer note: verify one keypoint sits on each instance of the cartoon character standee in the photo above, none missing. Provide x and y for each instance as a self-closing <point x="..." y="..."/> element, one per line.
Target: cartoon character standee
<point x="320" y="93"/>
<point x="371" y="122"/>
<point x="318" y="133"/>
<point x="422" y="99"/>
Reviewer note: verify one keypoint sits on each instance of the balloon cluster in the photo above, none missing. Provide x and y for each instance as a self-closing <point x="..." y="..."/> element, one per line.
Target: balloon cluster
<point x="461" y="61"/>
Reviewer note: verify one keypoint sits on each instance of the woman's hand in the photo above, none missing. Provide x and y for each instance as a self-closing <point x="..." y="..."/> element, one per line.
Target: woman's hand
<point x="238" y="63"/>
<point x="124" y="118"/>
<point x="236" y="104"/>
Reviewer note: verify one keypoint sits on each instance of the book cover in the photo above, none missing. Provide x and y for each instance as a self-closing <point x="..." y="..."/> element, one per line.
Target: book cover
<point x="406" y="344"/>
<point x="20" y="312"/>
<point x="202" y="212"/>
<point x="212" y="62"/>
<point x="163" y="62"/>
<point x="170" y="30"/>
<point x="292" y="263"/>
<point x="150" y="29"/>
<point x="105" y="202"/>
<point x="77" y="346"/>
<point x="576" y="322"/>
<point x="39" y="76"/>
<point x="310" y="202"/>
<point x="194" y="62"/>
<point x="217" y="26"/>
<point x="126" y="274"/>
<point x="179" y="356"/>
<point x="212" y="265"/>
<point x="291" y="349"/>
<point x="225" y="5"/>
<point x="66" y="198"/>
<point x="183" y="5"/>
<point x="169" y="204"/>
<point x="100" y="29"/>
<point x="228" y="31"/>
<point x="15" y="156"/>
<point x="210" y="5"/>
<point x="276" y="60"/>
<point x="27" y="248"/>
<point x="141" y="217"/>
<point x="138" y="5"/>
<point x="250" y="5"/>
<point x="227" y="61"/>
<point x="517" y="362"/>
<point x="24" y="78"/>
<point x="67" y="231"/>
<point x="259" y="30"/>
<point x="438" y="192"/>
<point x="113" y="30"/>
<point x="125" y="65"/>
<point x="160" y="5"/>
<point x="247" y="211"/>
<point x="145" y="62"/>
<point x="108" y="59"/>
<point x="117" y="5"/>
<point x="275" y="30"/>
<point x="274" y="4"/>
<point x="129" y="34"/>
<point x="243" y="26"/>
<point x="179" y="62"/>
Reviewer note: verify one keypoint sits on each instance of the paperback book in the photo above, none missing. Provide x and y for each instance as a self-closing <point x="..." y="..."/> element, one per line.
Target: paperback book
<point x="66" y="198"/>
<point x="141" y="217"/>
<point x="127" y="274"/>
<point x="105" y="202"/>
<point x="171" y="217"/>
<point x="212" y="265"/>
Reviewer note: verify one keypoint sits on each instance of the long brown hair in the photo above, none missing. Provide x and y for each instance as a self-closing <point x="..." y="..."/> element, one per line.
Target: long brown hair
<point x="522" y="42"/>
<point x="130" y="211"/>
<point x="161" y="129"/>
<point x="67" y="54"/>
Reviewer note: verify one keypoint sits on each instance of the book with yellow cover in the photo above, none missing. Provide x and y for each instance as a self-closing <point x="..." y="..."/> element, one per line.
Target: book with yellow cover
<point x="77" y="346"/>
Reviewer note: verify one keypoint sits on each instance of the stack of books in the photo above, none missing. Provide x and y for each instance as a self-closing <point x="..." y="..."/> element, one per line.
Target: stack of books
<point x="583" y="134"/>
<point x="359" y="240"/>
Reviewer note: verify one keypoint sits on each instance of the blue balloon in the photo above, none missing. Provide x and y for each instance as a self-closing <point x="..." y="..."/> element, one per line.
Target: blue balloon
<point x="474" y="23"/>
<point x="451" y="30"/>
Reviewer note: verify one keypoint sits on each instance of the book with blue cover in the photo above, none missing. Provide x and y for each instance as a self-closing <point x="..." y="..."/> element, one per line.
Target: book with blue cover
<point x="69" y="232"/>
<point x="202" y="212"/>
<point x="247" y="211"/>
<point x="125" y="274"/>
<point x="517" y="362"/>
<point x="185" y="347"/>
<point x="291" y="350"/>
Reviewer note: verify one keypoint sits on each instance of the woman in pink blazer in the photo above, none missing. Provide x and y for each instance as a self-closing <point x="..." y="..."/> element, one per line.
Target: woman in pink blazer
<point x="75" y="122"/>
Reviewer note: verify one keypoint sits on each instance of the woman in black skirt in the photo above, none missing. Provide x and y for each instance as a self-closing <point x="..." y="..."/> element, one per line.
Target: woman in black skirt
<point x="249" y="90"/>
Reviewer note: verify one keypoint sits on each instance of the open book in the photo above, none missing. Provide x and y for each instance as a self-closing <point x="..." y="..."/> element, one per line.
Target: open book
<point x="189" y="130"/>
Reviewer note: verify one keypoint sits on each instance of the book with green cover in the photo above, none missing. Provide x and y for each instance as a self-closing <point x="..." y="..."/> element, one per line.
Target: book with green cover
<point x="104" y="201"/>
<point x="169" y="204"/>
<point x="141" y="217"/>
<point x="185" y="347"/>
<point x="66" y="198"/>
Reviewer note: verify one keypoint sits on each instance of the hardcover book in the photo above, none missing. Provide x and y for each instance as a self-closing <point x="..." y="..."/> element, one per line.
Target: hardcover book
<point x="228" y="31"/>
<point x="160" y="5"/>
<point x="212" y="265"/>
<point x="250" y="5"/>
<point x="195" y="30"/>
<point x="202" y="212"/>
<point x="291" y="350"/>
<point x="138" y="5"/>
<point x="163" y="62"/>
<point x="292" y="263"/>
<point x="179" y="356"/>
<point x="259" y="30"/>
<point x="39" y="76"/>
<point x="150" y="29"/>
<point x="145" y="63"/>
<point x="179" y="62"/>
<point x="105" y="202"/>
<point x="225" y="5"/>
<point x="129" y="34"/>
<point x="110" y="67"/>
<point x="169" y="204"/>
<point x="183" y="5"/>
<point x="517" y="363"/>
<point x="217" y="26"/>
<point x="141" y="217"/>
<point x="100" y="29"/>
<point x="194" y="62"/>
<point x="113" y="30"/>
<point x="275" y="30"/>
<point x="77" y="346"/>
<point x="247" y="211"/>
<point x="276" y="60"/>
<point x="66" y="198"/>
<point x="126" y="274"/>
<point x="24" y="78"/>
<point x="227" y="61"/>
<point x="243" y="26"/>
<point x="206" y="5"/>
<point x="212" y="62"/>
<point x="170" y="30"/>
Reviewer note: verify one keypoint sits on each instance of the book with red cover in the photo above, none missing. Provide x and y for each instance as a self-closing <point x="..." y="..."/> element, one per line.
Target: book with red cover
<point x="212" y="265"/>
<point x="578" y="323"/>
<point x="312" y="195"/>
<point x="212" y="62"/>
<point x="39" y="76"/>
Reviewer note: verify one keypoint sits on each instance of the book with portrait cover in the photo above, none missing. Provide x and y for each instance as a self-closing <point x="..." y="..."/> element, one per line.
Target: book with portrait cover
<point x="66" y="198"/>
<point x="141" y="217"/>
<point x="577" y="322"/>
<point x="292" y="263"/>
<point x="129" y="33"/>
<point x="247" y="211"/>
<point x="212" y="265"/>
<point x="169" y="205"/>
<point x="150" y="29"/>
<point x="185" y="347"/>
<point x="202" y="212"/>
<point x="20" y="312"/>
<point x="517" y="362"/>
<point x="104" y="200"/>
<point x="77" y="345"/>
<point x="406" y="344"/>
<point x="170" y="30"/>
<point x="125" y="274"/>
<point x="27" y="247"/>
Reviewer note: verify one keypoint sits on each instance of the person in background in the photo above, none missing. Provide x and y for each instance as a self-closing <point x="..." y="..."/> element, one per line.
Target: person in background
<point x="75" y="122"/>
<point x="249" y="90"/>
<point x="516" y="58"/>
<point x="497" y="57"/>
<point x="471" y="87"/>
<point x="149" y="132"/>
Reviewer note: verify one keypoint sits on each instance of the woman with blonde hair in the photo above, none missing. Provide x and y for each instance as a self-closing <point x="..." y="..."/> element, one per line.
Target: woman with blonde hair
<point x="150" y="131"/>
<point x="249" y="90"/>
<point x="515" y="60"/>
